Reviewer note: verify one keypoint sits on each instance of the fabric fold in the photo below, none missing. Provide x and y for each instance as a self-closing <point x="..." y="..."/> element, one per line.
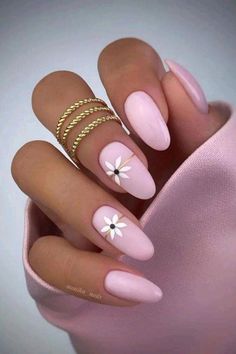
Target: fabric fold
<point x="192" y="225"/>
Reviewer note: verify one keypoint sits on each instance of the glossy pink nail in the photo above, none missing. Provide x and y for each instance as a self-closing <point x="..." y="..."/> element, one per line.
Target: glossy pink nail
<point x="147" y="121"/>
<point x="190" y="84"/>
<point x="122" y="233"/>
<point x="132" y="287"/>
<point x="126" y="170"/>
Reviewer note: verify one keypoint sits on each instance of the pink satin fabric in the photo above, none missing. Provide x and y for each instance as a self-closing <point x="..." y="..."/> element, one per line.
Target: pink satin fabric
<point x="192" y="224"/>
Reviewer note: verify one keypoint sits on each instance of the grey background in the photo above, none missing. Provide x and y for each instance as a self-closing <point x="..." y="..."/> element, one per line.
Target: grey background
<point x="37" y="37"/>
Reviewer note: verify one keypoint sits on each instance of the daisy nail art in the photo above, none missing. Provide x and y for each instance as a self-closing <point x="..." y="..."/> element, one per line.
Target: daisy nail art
<point x="113" y="226"/>
<point x="122" y="233"/>
<point x="118" y="169"/>
<point x="126" y="170"/>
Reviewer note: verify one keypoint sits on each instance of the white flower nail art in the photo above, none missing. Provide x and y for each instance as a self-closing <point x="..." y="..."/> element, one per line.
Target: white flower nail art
<point x="113" y="226"/>
<point x="117" y="170"/>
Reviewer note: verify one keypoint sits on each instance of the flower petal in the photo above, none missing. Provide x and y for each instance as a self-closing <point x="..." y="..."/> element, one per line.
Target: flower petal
<point x="117" y="180"/>
<point x="110" y="173"/>
<point x="109" y="165"/>
<point x="105" y="228"/>
<point x="121" y="224"/>
<point x="107" y="220"/>
<point x="112" y="233"/>
<point x="115" y="219"/>
<point x="118" y="232"/>
<point x="125" y="168"/>
<point x="123" y="175"/>
<point x="118" y="161"/>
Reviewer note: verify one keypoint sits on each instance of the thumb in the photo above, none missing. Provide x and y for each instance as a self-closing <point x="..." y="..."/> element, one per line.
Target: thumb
<point x="191" y="119"/>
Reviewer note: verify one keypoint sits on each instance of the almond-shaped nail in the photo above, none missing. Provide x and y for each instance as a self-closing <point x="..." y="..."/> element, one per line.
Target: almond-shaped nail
<point x="122" y="233"/>
<point x="131" y="287"/>
<point x="125" y="169"/>
<point x="147" y="121"/>
<point x="190" y="85"/>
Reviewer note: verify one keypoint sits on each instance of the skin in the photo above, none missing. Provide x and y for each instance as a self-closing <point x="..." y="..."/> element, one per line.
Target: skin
<point x="59" y="188"/>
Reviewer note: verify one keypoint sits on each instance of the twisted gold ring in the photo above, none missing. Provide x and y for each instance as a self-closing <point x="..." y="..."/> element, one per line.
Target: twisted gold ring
<point x="61" y="138"/>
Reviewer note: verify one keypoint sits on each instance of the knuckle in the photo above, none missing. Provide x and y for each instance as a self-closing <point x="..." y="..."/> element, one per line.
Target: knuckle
<point x="41" y="247"/>
<point x="52" y="78"/>
<point x="122" y="44"/>
<point x="25" y="154"/>
<point x="50" y="87"/>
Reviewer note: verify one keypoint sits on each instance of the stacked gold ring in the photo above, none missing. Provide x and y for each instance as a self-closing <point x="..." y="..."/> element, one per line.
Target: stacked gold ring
<point x="61" y="138"/>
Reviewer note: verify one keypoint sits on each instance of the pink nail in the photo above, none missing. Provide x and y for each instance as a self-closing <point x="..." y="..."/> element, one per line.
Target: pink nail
<point x="131" y="287"/>
<point x="146" y="119"/>
<point x="190" y="84"/>
<point x="125" y="169"/>
<point x="122" y="233"/>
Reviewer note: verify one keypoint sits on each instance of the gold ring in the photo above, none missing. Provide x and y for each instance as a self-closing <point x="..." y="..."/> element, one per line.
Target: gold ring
<point x="88" y="129"/>
<point x="70" y="110"/>
<point x="62" y="137"/>
<point x="78" y="119"/>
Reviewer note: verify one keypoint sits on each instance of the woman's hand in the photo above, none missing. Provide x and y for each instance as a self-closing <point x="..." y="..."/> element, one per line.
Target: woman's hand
<point x="97" y="221"/>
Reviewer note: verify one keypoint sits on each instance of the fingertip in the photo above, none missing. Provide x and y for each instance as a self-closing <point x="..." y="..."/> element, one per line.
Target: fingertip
<point x="191" y="120"/>
<point x="146" y="119"/>
<point x="190" y="84"/>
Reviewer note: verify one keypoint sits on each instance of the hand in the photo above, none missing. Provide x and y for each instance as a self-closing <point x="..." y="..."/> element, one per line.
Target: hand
<point x="96" y="220"/>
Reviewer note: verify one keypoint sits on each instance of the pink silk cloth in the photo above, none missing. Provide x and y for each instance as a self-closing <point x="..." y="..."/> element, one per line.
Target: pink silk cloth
<point x="192" y="224"/>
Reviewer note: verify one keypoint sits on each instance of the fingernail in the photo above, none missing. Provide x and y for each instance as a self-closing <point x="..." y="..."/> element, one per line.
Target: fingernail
<point x="131" y="287"/>
<point x="190" y="84"/>
<point x="126" y="170"/>
<point x="147" y="121"/>
<point x="122" y="233"/>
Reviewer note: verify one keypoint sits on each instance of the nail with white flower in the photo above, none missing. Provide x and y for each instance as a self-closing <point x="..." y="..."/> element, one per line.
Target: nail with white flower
<point x="113" y="226"/>
<point x="118" y="169"/>
<point x="116" y="228"/>
<point x="126" y="170"/>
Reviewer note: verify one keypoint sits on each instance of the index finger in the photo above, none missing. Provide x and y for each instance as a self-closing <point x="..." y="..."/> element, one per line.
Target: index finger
<point x="131" y="70"/>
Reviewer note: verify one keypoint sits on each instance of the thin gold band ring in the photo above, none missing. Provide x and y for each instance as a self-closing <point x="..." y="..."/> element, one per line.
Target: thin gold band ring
<point x="87" y="129"/>
<point x="71" y="109"/>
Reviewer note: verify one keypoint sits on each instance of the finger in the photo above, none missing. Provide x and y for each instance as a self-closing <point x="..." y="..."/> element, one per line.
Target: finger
<point x="88" y="275"/>
<point x="107" y="150"/>
<point x="191" y="119"/>
<point x="51" y="180"/>
<point x="130" y="70"/>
